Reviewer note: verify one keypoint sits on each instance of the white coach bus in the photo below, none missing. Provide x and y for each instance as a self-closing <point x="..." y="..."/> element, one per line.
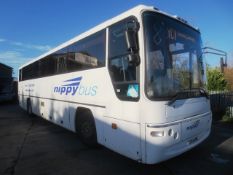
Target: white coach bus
<point x="133" y="84"/>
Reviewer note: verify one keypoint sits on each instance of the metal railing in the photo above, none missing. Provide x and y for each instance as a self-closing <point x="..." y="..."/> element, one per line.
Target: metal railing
<point x="221" y="103"/>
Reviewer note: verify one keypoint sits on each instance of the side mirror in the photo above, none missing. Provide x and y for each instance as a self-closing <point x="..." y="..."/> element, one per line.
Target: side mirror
<point x="134" y="59"/>
<point x="131" y="40"/>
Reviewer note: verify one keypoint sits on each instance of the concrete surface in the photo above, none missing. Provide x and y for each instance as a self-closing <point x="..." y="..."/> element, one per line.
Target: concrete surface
<point x="31" y="146"/>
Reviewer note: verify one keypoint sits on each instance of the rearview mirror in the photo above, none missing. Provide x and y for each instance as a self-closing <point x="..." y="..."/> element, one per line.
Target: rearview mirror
<point x="131" y="40"/>
<point x="131" y="36"/>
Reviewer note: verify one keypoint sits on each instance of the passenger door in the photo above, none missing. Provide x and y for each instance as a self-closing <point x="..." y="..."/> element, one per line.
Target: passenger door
<point x="121" y="122"/>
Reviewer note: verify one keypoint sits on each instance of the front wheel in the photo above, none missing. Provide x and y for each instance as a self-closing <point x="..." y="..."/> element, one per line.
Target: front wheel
<point x="86" y="129"/>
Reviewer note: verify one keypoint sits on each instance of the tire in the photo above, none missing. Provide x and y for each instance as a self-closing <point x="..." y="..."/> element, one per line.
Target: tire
<point x="86" y="129"/>
<point x="29" y="108"/>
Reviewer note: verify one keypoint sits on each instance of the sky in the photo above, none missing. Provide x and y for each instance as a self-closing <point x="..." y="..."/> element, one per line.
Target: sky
<point x="29" y="28"/>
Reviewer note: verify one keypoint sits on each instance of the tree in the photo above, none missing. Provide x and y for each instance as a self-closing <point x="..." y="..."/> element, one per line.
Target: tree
<point x="216" y="80"/>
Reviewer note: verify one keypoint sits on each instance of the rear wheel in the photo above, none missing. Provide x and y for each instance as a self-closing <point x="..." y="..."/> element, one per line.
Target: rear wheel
<point x="86" y="129"/>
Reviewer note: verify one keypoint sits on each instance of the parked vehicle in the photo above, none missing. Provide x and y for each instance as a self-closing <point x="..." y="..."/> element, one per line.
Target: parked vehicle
<point x="133" y="84"/>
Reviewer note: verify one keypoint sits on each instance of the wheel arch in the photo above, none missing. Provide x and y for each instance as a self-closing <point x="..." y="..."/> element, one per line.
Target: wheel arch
<point x="79" y="114"/>
<point x="82" y="116"/>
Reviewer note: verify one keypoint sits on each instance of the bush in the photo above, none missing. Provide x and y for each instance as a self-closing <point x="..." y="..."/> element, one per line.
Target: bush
<point x="216" y="80"/>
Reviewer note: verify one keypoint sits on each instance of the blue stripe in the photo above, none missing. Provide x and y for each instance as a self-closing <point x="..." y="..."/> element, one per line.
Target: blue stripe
<point x="74" y="79"/>
<point x="72" y="84"/>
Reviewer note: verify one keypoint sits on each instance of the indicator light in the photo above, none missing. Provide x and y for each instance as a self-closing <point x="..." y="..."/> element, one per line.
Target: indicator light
<point x="170" y="132"/>
<point x="157" y="133"/>
<point x="176" y="135"/>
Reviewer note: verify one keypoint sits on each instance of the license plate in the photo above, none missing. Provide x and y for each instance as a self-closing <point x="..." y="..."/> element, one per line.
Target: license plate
<point x="193" y="140"/>
<point x="191" y="128"/>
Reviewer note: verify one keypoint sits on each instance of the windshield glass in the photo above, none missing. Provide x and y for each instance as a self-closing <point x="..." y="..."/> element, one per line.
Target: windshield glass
<point x="173" y="56"/>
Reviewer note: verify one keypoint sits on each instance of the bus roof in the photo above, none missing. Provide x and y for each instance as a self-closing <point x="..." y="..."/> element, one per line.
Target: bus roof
<point x="134" y="11"/>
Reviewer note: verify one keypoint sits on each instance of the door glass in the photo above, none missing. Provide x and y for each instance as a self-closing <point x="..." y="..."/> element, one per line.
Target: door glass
<point x="123" y="73"/>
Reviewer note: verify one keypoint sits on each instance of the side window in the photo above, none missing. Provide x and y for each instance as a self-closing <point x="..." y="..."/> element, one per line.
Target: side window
<point x="59" y="61"/>
<point x="87" y="53"/>
<point x="20" y="75"/>
<point x="35" y="70"/>
<point x="47" y="66"/>
<point x="30" y="71"/>
<point x="122" y="70"/>
<point x="24" y="77"/>
<point x="124" y="73"/>
<point x="84" y="54"/>
<point x="61" y="64"/>
<point x="24" y="73"/>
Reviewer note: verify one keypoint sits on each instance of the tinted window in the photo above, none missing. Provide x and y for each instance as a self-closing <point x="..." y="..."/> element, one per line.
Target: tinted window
<point x="20" y="75"/>
<point x="84" y="54"/>
<point x="60" y="61"/>
<point x="122" y="70"/>
<point x="117" y="41"/>
<point x="87" y="53"/>
<point x="47" y="66"/>
<point x="30" y="71"/>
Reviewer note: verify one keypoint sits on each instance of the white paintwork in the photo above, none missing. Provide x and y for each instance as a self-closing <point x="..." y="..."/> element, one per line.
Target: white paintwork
<point x="135" y="120"/>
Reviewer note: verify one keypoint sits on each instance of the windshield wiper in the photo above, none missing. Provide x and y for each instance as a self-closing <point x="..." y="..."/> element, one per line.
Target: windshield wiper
<point x="189" y="94"/>
<point x="204" y="93"/>
<point x="175" y="97"/>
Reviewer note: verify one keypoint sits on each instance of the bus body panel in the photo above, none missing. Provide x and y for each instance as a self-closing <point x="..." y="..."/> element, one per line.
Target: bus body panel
<point x="182" y="109"/>
<point x="124" y="139"/>
<point x="179" y="110"/>
<point x="97" y="96"/>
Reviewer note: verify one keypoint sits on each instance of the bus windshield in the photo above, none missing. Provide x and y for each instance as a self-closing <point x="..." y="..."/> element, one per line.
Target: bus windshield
<point x="173" y="57"/>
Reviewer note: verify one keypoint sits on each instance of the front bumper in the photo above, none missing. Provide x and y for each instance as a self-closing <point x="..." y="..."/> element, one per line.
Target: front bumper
<point x="175" y="138"/>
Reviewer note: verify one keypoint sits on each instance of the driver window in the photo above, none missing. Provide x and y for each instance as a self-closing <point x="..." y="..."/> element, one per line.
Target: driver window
<point x="121" y="70"/>
<point x="123" y="73"/>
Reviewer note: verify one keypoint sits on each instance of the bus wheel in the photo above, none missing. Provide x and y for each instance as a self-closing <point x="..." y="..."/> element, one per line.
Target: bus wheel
<point x="86" y="129"/>
<point x="29" y="108"/>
